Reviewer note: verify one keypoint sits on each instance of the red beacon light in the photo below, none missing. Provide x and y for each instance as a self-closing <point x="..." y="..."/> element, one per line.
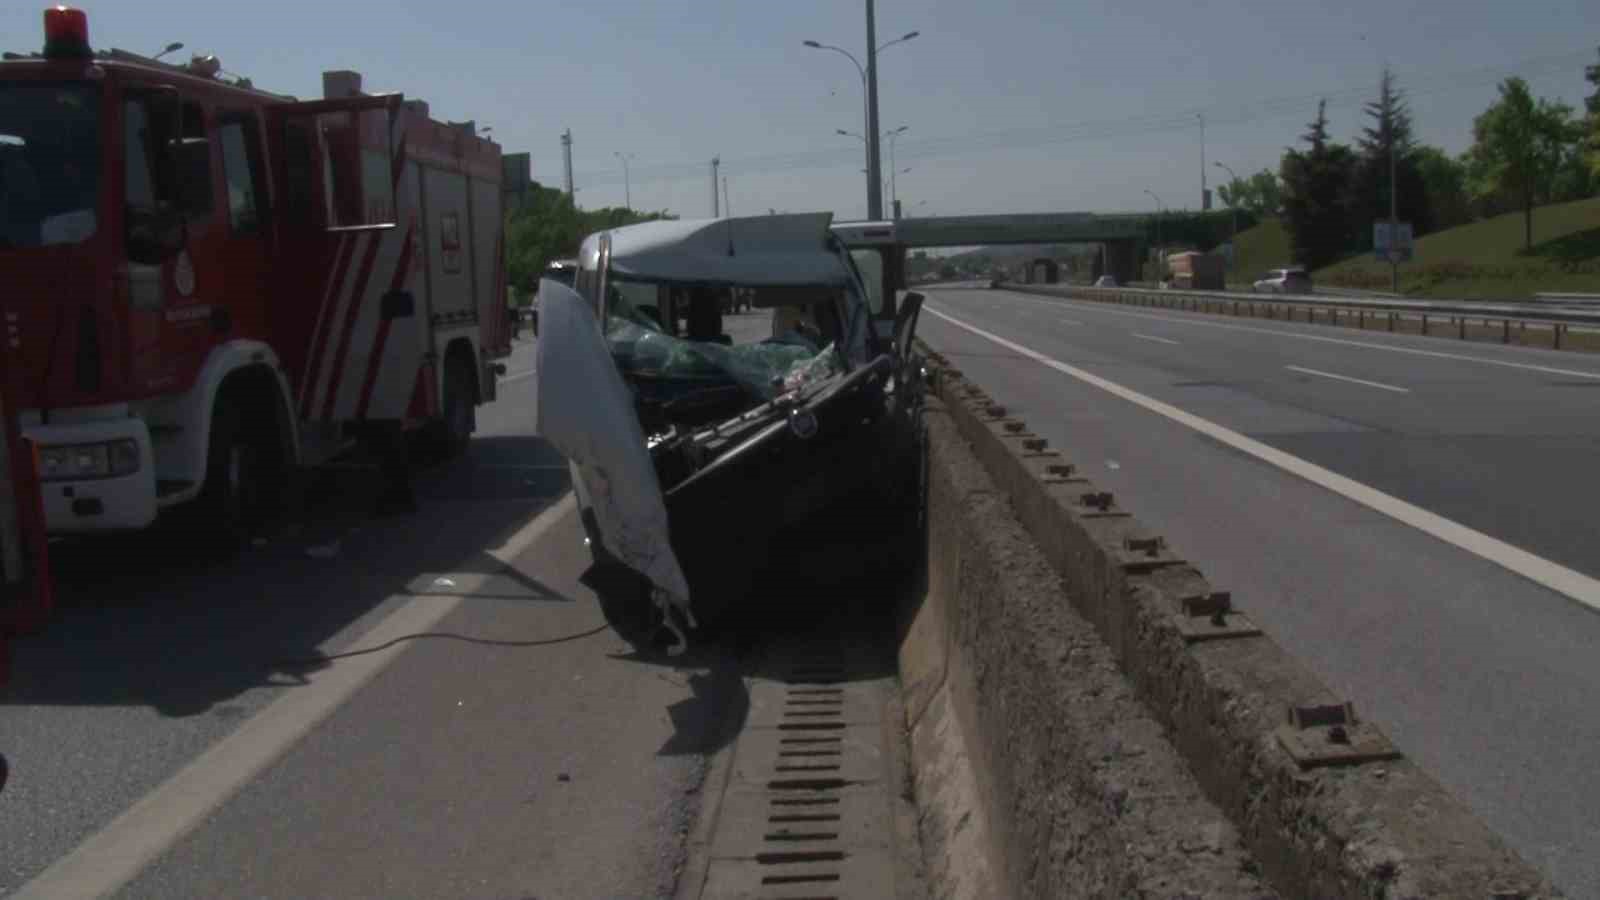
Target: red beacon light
<point x="66" y="32"/>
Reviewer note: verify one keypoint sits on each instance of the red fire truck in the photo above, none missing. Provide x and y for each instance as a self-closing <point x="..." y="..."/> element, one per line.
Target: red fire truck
<point x="210" y="283"/>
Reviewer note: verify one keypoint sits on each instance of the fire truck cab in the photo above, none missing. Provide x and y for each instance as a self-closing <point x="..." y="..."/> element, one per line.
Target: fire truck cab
<point x="205" y="283"/>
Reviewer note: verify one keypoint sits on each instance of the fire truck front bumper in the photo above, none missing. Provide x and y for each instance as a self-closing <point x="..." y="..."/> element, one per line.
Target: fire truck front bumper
<point x="95" y="476"/>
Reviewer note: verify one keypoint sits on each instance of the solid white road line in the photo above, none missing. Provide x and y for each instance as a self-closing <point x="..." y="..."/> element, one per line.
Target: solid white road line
<point x="1151" y="337"/>
<point x="1318" y="372"/>
<point x="1070" y="322"/>
<point x="1188" y="320"/>
<point x="111" y="857"/>
<point x="515" y="376"/>
<point x="1556" y="577"/>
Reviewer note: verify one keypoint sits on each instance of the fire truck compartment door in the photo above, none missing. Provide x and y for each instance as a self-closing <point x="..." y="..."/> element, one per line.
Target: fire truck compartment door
<point x="352" y="166"/>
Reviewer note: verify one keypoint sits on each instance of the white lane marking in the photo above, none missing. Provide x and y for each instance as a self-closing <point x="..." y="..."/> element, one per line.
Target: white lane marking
<point x="1319" y="372"/>
<point x="1070" y="322"/>
<point x="1151" y="337"/>
<point x="1113" y="464"/>
<point x="111" y="857"/>
<point x="1185" y="320"/>
<point x="515" y="376"/>
<point x="1556" y="577"/>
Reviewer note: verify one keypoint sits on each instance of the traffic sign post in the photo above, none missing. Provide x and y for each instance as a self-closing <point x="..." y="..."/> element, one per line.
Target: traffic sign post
<point x="1392" y="243"/>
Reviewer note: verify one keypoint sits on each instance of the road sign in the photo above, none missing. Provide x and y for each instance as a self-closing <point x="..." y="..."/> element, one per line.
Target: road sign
<point x="1392" y="245"/>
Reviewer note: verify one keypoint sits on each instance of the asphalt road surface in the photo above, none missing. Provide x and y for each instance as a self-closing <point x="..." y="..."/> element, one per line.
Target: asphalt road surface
<point x="188" y="729"/>
<point x="1484" y="676"/>
<point x="420" y="706"/>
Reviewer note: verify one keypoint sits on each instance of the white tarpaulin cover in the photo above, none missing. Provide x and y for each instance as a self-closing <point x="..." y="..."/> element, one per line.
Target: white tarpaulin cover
<point x="585" y="410"/>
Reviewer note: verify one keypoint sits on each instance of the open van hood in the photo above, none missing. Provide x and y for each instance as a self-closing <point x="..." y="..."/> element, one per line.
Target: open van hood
<point x="586" y="412"/>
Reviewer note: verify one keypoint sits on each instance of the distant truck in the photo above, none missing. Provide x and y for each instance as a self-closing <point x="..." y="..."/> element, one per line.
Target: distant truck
<point x="1197" y="271"/>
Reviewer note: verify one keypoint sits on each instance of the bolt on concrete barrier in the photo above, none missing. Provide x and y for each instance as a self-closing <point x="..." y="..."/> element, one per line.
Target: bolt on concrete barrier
<point x="1035" y="444"/>
<point x="1150" y="546"/>
<point x="1015" y="427"/>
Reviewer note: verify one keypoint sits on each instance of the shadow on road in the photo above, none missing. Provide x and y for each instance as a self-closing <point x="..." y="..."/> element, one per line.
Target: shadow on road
<point x="141" y="619"/>
<point x="825" y="596"/>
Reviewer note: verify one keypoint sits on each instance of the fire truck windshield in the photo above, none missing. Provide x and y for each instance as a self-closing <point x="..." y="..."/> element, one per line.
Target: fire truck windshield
<point x="49" y="163"/>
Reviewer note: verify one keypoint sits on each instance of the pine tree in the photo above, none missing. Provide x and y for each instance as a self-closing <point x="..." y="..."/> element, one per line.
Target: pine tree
<point x="1316" y="196"/>
<point x="1390" y="126"/>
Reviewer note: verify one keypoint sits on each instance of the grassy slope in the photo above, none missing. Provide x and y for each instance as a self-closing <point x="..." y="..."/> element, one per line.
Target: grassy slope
<point x="1266" y="246"/>
<point x="1485" y="259"/>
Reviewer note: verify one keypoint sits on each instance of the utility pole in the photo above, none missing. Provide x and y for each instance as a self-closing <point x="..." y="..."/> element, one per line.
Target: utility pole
<point x="627" y="187"/>
<point x="566" y="155"/>
<point x="716" y="212"/>
<point x="727" y="199"/>
<point x="1205" y="197"/>
<point x="874" y="166"/>
<point x="1394" y="196"/>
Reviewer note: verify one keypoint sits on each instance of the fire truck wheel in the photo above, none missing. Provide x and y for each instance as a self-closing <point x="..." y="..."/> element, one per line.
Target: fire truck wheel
<point x="455" y="431"/>
<point x="241" y="465"/>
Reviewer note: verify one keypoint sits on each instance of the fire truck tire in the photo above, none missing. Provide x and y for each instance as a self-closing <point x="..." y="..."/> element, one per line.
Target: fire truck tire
<point x="448" y="438"/>
<point x="243" y="466"/>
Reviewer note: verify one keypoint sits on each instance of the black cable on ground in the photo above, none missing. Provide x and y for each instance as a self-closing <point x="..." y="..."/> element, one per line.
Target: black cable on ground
<point x="488" y="642"/>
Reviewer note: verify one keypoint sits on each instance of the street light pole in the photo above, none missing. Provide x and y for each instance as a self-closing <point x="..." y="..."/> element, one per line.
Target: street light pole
<point x="874" y="166"/>
<point x="894" y="191"/>
<point x="869" y="88"/>
<point x="715" y="162"/>
<point x="1160" y="211"/>
<point x="1233" y="205"/>
<point x="627" y="187"/>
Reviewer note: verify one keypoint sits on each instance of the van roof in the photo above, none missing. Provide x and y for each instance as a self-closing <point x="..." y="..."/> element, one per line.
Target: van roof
<point x="755" y="251"/>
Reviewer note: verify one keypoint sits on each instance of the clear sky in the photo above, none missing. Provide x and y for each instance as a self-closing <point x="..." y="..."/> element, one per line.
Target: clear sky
<point x="1012" y="105"/>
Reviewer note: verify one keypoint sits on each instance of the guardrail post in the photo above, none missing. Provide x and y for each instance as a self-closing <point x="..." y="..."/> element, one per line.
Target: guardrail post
<point x="1424" y="324"/>
<point x="1361" y="319"/>
<point x="1391" y="321"/>
<point x="1461" y="331"/>
<point x="1559" y="328"/>
<point x="1505" y="337"/>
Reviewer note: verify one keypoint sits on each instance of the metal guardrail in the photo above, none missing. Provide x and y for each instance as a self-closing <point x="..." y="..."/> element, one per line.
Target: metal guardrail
<point x="1459" y="312"/>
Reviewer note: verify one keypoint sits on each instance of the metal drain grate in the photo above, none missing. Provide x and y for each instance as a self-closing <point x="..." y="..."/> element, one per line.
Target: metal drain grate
<point x="806" y="812"/>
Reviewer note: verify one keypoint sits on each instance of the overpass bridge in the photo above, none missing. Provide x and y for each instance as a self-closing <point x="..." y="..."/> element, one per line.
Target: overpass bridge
<point x="1123" y="235"/>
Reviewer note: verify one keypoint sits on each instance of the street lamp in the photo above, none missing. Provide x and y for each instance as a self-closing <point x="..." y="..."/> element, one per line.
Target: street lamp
<point x="1160" y="211"/>
<point x="869" y="88"/>
<point x="1233" y="204"/>
<point x="171" y="48"/>
<point x="894" y="191"/>
<point x="627" y="187"/>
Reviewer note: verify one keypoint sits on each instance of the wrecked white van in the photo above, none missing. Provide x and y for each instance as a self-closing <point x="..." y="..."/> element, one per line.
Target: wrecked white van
<point x="692" y="450"/>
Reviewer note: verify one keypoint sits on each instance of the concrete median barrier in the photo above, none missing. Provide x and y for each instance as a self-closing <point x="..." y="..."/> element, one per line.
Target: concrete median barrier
<point x="1090" y="717"/>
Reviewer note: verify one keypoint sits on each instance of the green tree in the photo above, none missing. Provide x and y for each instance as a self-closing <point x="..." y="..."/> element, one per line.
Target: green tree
<point x="1260" y="193"/>
<point x="1444" y="180"/>
<point x="549" y="227"/>
<point x="1518" y="146"/>
<point x="1372" y="187"/>
<point x="1591" y="105"/>
<point x="1316" y="196"/>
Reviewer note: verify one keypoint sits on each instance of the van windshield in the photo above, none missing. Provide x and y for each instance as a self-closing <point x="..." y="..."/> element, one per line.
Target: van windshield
<point x="49" y="163"/>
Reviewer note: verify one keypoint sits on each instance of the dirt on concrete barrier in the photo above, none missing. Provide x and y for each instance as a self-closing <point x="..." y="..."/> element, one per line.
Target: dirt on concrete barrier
<point x="1128" y="730"/>
<point x="1037" y="771"/>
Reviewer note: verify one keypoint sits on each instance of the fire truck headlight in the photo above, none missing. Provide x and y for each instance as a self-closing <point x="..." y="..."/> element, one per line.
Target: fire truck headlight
<point x="107" y="459"/>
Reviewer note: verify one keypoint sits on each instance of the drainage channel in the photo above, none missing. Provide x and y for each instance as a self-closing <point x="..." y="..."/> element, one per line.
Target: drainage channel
<point x="809" y="808"/>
